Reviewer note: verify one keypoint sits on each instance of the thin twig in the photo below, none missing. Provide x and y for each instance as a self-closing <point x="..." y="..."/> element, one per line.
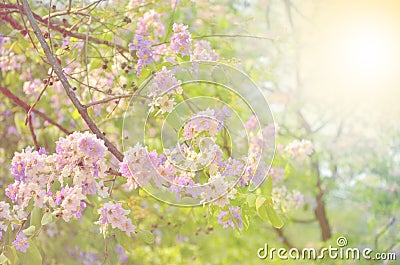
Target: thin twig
<point x="62" y="30"/>
<point x="94" y="103"/>
<point x="39" y="97"/>
<point x="226" y="36"/>
<point x="64" y="81"/>
<point x="70" y="11"/>
<point x="14" y="23"/>
<point x="29" y="120"/>
<point x="26" y="107"/>
<point x="383" y="231"/>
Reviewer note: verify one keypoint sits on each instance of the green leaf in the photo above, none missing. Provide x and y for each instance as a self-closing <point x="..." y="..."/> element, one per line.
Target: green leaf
<point x="62" y="51"/>
<point x="96" y="63"/>
<point x="36" y="217"/>
<point x="108" y="36"/>
<point x="124" y="240"/>
<point x="289" y="171"/>
<point x="146" y="236"/>
<point x="16" y="47"/>
<point x="259" y="202"/>
<point x="29" y="231"/>
<point x="262" y="212"/>
<point x="268" y="185"/>
<point x="251" y="199"/>
<point x="144" y="74"/>
<point x="32" y="255"/>
<point x="47" y="218"/>
<point x="3" y="259"/>
<point x="75" y="115"/>
<point x="276" y="221"/>
<point x="11" y="254"/>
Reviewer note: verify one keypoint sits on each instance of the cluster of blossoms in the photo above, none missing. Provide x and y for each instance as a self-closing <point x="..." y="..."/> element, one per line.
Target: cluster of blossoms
<point x="150" y="29"/>
<point x="142" y="43"/>
<point x="164" y="85"/>
<point x="231" y="217"/>
<point x="85" y="258"/>
<point x="198" y="167"/>
<point x="203" y="51"/>
<point x="21" y="242"/>
<point x="181" y="40"/>
<point x="9" y="61"/>
<point x="210" y="120"/>
<point x="32" y="86"/>
<point x="285" y="200"/>
<point x="59" y="182"/>
<point x="91" y="258"/>
<point x="5" y="215"/>
<point x="113" y="214"/>
<point x="277" y="174"/>
<point x="299" y="149"/>
<point x="136" y="164"/>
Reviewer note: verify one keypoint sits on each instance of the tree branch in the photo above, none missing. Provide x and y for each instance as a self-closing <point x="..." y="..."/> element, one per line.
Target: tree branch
<point x="62" y="30"/>
<point x="26" y="107"/>
<point x="285" y="240"/>
<point x="14" y="23"/>
<point x="29" y="120"/>
<point x="64" y="81"/>
<point x="383" y="231"/>
<point x="102" y="101"/>
<point x="320" y="212"/>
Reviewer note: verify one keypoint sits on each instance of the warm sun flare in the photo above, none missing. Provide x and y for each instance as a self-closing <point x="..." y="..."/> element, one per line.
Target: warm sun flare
<point x="354" y="51"/>
<point x="365" y="54"/>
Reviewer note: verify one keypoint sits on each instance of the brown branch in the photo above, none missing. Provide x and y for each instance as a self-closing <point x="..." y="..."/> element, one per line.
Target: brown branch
<point x="112" y="172"/>
<point x="29" y="35"/>
<point x="102" y="101"/>
<point x="29" y="120"/>
<point x="285" y="240"/>
<point x="225" y="36"/>
<point x="14" y="23"/>
<point x="233" y="36"/>
<point x="303" y="221"/>
<point x="383" y="231"/>
<point x="54" y="26"/>
<point x="64" y="81"/>
<point x="28" y="114"/>
<point x="304" y="122"/>
<point x="70" y="11"/>
<point x="26" y="107"/>
<point x="320" y="212"/>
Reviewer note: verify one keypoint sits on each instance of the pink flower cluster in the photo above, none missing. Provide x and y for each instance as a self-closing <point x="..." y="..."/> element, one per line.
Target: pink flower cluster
<point x="181" y="40"/>
<point x="162" y="89"/>
<point x="9" y="61"/>
<point x="203" y="51"/>
<point x="21" y="242"/>
<point x="231" y="217"/>
<point x="136" y="164"/>
<point x="113" y="214"/>
<point x="210" y="121"/>
<point x="299" y="149"/>
<point x="142" y="42"/>
<point x="198" y="167"/>
<point x="59" y="182"/>
<point x="285" y="200"/>
<point x="32" y="86"/>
